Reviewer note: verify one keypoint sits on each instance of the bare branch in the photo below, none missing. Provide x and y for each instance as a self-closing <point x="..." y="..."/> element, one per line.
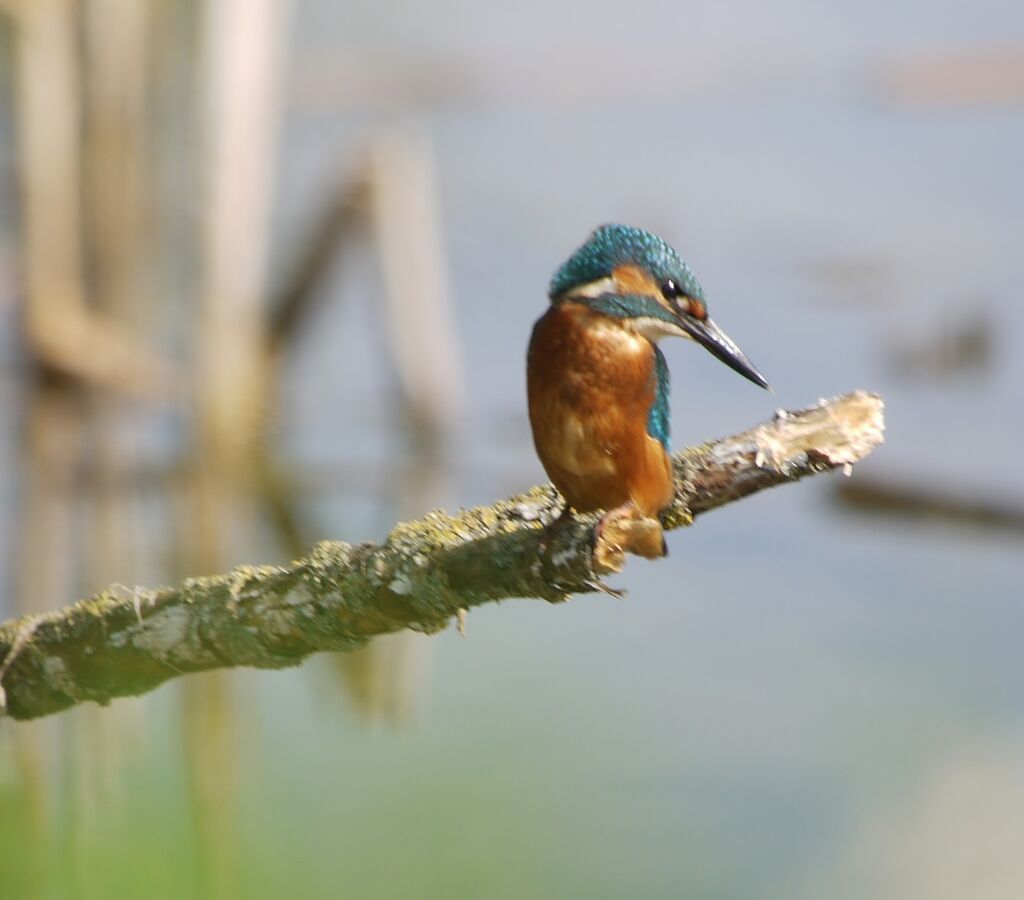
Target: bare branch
<point x="124" y="642"/>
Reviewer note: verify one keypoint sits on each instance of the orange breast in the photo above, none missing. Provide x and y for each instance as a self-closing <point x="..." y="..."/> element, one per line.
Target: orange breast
<point x="591" y="384"/>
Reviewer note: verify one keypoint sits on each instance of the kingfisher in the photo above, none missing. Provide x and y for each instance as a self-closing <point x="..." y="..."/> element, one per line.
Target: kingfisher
<point x="597" y="382"/>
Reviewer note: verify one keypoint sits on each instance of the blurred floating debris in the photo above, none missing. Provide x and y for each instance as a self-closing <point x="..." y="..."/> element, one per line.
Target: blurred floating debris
<point x="964" y="345"/>
<point x="855" y="281"/>
<point x="991" y="76"/>
<point x="928" y="504"/>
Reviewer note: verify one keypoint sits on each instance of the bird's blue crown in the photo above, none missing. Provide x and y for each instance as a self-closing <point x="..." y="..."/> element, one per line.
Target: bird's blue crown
<point x="611" y="246"/>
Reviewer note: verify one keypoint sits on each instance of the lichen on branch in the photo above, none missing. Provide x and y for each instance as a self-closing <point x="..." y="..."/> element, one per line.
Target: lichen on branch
<point x="126" y="641"/>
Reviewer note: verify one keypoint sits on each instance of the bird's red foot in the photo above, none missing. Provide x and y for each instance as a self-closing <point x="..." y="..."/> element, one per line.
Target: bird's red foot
<point x="626" y="530"/>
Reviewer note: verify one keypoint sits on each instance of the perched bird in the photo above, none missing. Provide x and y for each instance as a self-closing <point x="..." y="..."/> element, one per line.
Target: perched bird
<point x="597" y="383"/>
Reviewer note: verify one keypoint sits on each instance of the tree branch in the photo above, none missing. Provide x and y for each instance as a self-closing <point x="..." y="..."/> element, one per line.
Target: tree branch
<point x="127" y="641"/>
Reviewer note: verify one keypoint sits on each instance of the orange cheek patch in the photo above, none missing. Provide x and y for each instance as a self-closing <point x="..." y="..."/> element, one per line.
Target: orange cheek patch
<point x="633" y="280"/>
<point x="697" y="309"/>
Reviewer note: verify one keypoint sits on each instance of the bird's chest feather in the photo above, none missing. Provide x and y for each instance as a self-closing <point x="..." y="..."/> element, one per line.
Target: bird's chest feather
<point x="592" y="384"/>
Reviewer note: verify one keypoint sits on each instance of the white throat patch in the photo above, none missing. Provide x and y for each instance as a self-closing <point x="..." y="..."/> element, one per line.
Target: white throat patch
<point x="654" y="329"/>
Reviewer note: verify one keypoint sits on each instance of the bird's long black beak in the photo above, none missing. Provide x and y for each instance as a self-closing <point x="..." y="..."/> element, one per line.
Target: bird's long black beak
<point x="717" y="342"/>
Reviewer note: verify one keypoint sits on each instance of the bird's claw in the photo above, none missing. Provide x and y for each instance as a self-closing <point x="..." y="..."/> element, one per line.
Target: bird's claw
<point x="596" y="584"/>
<point x="626" y="530"/>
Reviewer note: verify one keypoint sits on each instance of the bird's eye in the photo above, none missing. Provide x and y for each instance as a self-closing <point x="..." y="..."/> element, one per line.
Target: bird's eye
<point x="670" y="290"/>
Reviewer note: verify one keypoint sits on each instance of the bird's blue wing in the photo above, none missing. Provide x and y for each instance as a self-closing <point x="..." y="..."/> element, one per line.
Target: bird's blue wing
<point x="658" y="425"/>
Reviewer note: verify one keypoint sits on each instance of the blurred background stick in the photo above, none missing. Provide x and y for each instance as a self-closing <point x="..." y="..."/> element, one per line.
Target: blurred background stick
<point x="126" y="641"/>
<point x="65" y="334"/>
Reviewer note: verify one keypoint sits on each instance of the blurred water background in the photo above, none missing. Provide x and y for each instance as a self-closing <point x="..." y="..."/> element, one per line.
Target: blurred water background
<point x="818" y="694"/>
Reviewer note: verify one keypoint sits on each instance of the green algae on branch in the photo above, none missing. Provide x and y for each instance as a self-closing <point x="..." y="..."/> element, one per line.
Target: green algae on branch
<point x="125" y="641"/>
